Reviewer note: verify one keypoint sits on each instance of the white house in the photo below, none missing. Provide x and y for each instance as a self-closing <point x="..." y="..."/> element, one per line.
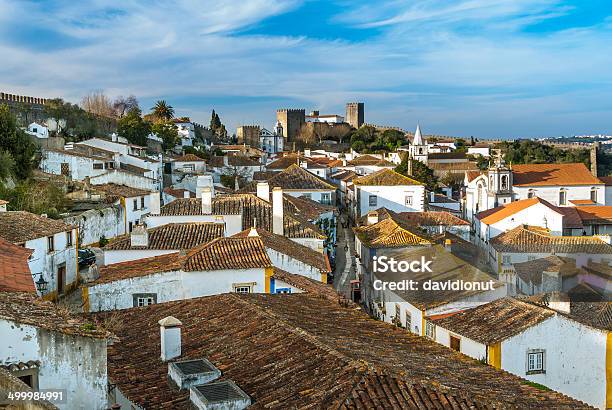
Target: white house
<point x="408" y="307"/>
<point x="223" y="265"/>
<point x="235" y="165"/>
<point x="387" y="189"/>
<point x="136" y="203"/>
<point x="144" y="243"/>
<point x="38" y="130"/>
<point x="272" y="142"/>
<point x="49" y="348"/>
<point x="368" y="164"/>
<point x="548" y="344"/>
<point x="532" y="211"/>
<point x="188" y="164"/>
<point x="291" y="256"/>
<point x="480" y="149"/>
<point x="105" y="221"/>
<point x="186" y="131"/>
<point x="77" y="164"/>
<point x="54" y="243"/>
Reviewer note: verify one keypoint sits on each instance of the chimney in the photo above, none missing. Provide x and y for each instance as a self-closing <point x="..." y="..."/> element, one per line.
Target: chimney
<point x="206" y="201"/>
<point x="409" y="171"/>
<point x="170" y="332"/>
<point x="277" y="211"/>
<point x="372" y="218"/>
<point x="263" y="191"/>
<point x="202" y="182"/>
<point x="594" y="149"/>
<point x="432" y="197"/>
<point x="225" y="160"/>
<point x="139" y="236"/>
<point x="304" y="164"/>
<point x="155" y="203"/>
<point x="307" y="152"/>
<point x="187" y="194"/>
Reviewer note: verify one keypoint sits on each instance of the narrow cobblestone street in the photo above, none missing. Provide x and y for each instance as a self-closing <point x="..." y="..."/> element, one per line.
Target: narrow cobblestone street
<point x="345" y="259"/>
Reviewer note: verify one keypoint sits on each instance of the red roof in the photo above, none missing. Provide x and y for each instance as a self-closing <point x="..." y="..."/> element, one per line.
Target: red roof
<point x="552" y="175"/>
<point x="15" y="275"/>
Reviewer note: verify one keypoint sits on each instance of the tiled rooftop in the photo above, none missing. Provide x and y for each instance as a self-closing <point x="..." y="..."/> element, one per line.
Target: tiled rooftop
<point x="124" y="191"/>
<point x="21" y="226"/>
<point x="531" y="271"/>
<point x="552" y="175"/>
<point x="288" y="247"/>
<point x="306" y="207"/>
<point x="173" y="236"/>
<point x="15" y="275"/>
<point x="370" y="160"/>
<point x="188" y="158"/>
<point x="300" y="351"/>
<point x="493" y="215"/>
<point x="294" y="178"/>
<point x="495" y="321"/>
<point x="250" y="207"/>
<point x="386" y="177"/>
<point x="527" y="239"/>
<point x="28" y="309"/>
<point x="233" y="161"/>
<point x="390" y="233"/>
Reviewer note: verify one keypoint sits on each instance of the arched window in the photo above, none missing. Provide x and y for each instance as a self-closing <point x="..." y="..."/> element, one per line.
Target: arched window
<point x="420" y="151"/>
<point x="531" y="193"/>
<point x="562" y="197"/>
<point x="504" y="182"/>
<point x="594" y="194"/>
<point x="479" y="194"/>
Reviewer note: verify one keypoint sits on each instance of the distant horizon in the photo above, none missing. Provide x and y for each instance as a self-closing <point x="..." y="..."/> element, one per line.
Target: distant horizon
<point x="499" y="69"/>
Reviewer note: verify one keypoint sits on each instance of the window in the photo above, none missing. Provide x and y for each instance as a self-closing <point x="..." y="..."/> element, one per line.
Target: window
<point x="243" y="288"/>
<point x="455" y="343"/>
<point x="69" y="238"/>
<point x="189" y="167"/>
<point x="50" y="244"/>
<point x="110" y="165"/>
<point x="28" y="376"/>
<point x="562" y="197"/>
<point x="135" y="204"/>
<point x="504" y="182"/>
<point x="130" y="225"/>
<point x="373" y="200"/>
<point x="408" y="320"/>
<point x="535" y="362"/>
<point x="531" y="193"/>
<point x="98" y="166"/>
<point x="144" y="299"/>
<point x="430" y="330"/>
<point x="594" y="194"/>
<point x="142" y="202"/>
<point x="326" y="199"/>
<point x="506" y="259"/>
<point x="283" y="290"/>
<point x="530" y="258"/>
<point x="408" y="200"/>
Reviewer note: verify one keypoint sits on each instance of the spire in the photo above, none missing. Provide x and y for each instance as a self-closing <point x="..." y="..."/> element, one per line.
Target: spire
<point x="418" y="138"/>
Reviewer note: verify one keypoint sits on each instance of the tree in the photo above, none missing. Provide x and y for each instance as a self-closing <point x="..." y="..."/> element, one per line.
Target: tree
<point x="420" y="172"/>
<point x="98" y="103"/>
<point x="17" y="143"/>
<point x="122" y="105"/>
<point x="7" y="165"/>
<point x="215" y="121"/>
<point x="163" y="111"/>
<point x="167" y="132"/>
<point x="134" y="128"/>
<point x="36" y="197"/>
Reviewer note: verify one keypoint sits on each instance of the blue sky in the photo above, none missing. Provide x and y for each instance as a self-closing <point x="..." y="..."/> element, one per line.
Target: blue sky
<point x="488" y="68"/>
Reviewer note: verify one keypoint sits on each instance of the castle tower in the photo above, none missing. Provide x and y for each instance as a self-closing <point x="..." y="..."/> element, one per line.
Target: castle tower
<point x="355" y="114"/>
<point x="291" y="121"/>
<point x="278" y="129"/>
<point x="419" y="149"/>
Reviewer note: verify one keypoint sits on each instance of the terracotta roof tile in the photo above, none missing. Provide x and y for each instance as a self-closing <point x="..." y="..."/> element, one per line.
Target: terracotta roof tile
<point x="471" y="175"/>
<point x="294" y="178"/>
<point x="15" y="275"/>
<point x="28" y="309"/>
<point x="173" y="236"/>
<point x="21" y="226"/>
<point x="591" y="214"/>
<point x="178" y="192"/>
<point x="121" y="190"/>
<point x="528" y="239"/>
<point x="139" y="267"/>
<point x="188" y="158"/>
<point x="306" y="207"/>
<point x="385" y="177"/>
<point x="499" y="213"/>
<point x="390" y="233"/>
<point x="552" y="174"/>
<point x="317" y="355"/>
<point x="234" y="161"/>
<point x="495" y="321"/>
<point x="432" y="218"/>
<point x="308" y="285"/>
<point x="531" y="271"/>
<point x="288" y="247"/>
<point x="370" y="160"/>
<point x="606" y="180"/>
<point x="250" y="207"/>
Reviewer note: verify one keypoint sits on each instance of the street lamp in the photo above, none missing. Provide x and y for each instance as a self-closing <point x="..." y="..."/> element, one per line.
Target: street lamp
<point x="41" y="284"/>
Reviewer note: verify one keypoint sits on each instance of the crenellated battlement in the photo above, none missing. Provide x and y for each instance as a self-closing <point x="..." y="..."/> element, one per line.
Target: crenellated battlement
<point x="14" y="98"/>
<point x="292" y="110"/>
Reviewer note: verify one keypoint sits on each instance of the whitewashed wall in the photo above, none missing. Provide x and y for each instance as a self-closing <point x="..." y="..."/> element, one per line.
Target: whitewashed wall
<point x="169" y="286"/>
<point x="74" y="363"/>
<point x="233" y="223"/>
<point x="95" y="223"/>
<point x="391" y="197"/>
<point x="575" y="358"/>
<point x="80" y="167"/>
<point x="291" y="265"/>
<point x="551" y="193"/>
<point x="119" y="177"/>
<point x="117" y="256"/>
<point x="467" y="346"/>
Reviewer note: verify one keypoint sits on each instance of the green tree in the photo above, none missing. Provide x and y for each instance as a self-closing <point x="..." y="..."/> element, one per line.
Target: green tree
<point x="7" y="165"/>
<point x="215" y="121"/>
<point x="16" y="142"/>
<point x="134" y="128"/>
<point x="420" y="172"/>
<point x="163" y="111"/>
<point x="167" y="131"/>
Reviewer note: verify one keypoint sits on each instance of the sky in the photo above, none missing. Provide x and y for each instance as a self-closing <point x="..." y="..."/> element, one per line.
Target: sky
<point x="483" y="68"/>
